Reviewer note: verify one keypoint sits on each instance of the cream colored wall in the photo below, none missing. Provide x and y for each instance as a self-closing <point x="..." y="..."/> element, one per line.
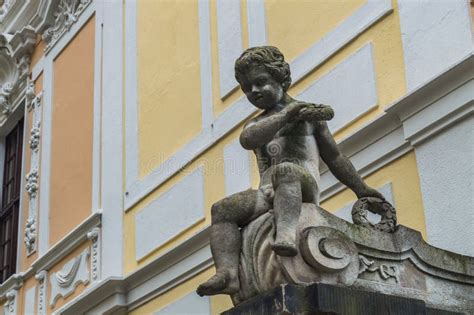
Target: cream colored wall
<point x="72" y="128"/>
<point x="165" y="127"/>
<point x="168" y="79"/>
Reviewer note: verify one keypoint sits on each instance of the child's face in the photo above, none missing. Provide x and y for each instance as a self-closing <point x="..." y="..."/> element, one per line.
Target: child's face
<point x="261" y="89"/>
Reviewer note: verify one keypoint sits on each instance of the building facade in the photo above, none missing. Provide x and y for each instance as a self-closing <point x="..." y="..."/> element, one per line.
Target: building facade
<point x="120" y="121"/>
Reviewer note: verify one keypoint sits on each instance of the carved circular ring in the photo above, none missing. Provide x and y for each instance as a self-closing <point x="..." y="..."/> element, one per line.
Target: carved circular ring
<point x="388" y="221"/>
<point x="326" y="249"/>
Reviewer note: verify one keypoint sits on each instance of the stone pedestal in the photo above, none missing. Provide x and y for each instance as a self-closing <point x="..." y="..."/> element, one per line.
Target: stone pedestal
<point x="322" y="298"/>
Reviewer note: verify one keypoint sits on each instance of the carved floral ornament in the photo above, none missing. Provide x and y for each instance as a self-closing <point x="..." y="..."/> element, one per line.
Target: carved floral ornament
<point x="5" y="8"/>
<point x="66" y="14"/>
<point x="15" y="57"/>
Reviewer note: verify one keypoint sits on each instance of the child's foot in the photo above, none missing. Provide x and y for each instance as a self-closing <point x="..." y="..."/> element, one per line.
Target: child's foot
<point x="283" y="248"/>
<point x="221" y="283"/>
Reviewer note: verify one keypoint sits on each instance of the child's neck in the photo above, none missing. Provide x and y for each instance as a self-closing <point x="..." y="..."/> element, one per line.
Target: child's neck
<point x="285" y="101"/>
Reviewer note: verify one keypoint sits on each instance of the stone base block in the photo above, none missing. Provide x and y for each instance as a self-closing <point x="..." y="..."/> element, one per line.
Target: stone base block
<point x="322" y="298"/>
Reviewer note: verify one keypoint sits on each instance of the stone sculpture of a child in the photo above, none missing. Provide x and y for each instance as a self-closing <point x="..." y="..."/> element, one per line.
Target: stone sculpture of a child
<point x="288" y="138"/>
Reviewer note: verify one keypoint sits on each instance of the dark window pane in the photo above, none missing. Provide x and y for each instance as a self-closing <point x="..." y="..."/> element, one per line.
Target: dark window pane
<point x="10" y="202"/>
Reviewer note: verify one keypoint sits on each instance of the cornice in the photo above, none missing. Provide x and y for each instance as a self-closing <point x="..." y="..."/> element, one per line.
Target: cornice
<point x="87" y="230"/>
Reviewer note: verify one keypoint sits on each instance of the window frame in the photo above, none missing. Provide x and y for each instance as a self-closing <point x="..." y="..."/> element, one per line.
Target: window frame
<point x="14" y="118"/>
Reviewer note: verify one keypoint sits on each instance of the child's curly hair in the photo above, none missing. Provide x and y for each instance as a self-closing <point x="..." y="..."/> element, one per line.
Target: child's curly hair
<point x="268" y="56"/>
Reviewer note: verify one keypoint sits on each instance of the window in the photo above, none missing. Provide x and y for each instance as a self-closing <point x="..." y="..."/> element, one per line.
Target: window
<point x="10" y="201"/>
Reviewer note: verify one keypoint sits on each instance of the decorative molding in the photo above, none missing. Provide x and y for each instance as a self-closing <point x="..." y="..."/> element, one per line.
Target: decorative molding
<point x="94" y="236"/>
<point x="35" y="138"/>
<point x="32" y="183"/>
<point x="67" y="13"/>
<point x="42" y="277"/>
<point x="385" y="271"/>
<point x="12" y="302"/>
<point x="73" y="273"/>
<point x="161" y="275"/>
<point x="30" y="235"/>
<point x="42" y="291"/>
<point x="66" y="245"/>
<point x="5" y="9"/>
<point x="406" y="123"/>
<point x="15" y="57"/>
<point x="15" y="282"/>
<point x="50" y="258"/>
<point x="33" y="104"/>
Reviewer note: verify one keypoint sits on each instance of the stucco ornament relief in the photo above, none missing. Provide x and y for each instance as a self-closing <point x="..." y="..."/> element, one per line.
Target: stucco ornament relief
<point x="33" y="103"/>
<point x="35" y="138"/>
<point x="32" y="183"/>
<point x="66" y="15"/>
<point x="42" y="277"/>
<point x="65" y="281"/>
<point x="15" y="58"/>
<point x="11" y="304"/>
<point x="5" y="8"/>
<point x="30" y="235"/>
<point x="94" y="236"/>
<point x="385" y="271"/>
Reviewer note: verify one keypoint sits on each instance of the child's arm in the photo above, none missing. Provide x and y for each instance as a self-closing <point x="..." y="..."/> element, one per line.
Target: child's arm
<point x="259" y="132"/>
<point x="339" y="164"/>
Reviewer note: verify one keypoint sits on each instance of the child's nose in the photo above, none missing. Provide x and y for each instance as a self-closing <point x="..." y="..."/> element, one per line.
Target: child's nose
<point x="255" y="89"/>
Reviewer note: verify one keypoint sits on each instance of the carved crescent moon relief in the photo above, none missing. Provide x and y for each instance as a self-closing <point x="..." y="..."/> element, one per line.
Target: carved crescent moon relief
<point x="326" y="255"/>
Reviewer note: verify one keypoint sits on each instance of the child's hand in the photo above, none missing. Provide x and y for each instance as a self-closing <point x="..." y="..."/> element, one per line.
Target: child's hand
<point x="294" y="108"/>
<point x="315" y="112"/>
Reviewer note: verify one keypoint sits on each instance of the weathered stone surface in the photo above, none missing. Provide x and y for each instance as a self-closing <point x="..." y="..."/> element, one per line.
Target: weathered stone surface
<point x="398" y="264"/>
<point x="277" y="234"/>
<point x="331" y="299"/>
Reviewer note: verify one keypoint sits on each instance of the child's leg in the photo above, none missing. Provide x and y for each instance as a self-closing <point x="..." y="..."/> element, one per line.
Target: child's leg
<point x="227" y="215"/>
<point x="288" y="181"/>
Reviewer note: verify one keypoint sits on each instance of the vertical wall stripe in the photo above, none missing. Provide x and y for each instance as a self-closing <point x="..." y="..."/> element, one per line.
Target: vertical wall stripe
<point x="112" y="146"/>
<point x="206" y="63"/>
<point x="97" y="123"/>
<point x="236" y="168"/>
<point x="229" y="33"/>
<point x="131" y="92"/>
<point x="43" y="217"/>
<point x="256" y="23"/>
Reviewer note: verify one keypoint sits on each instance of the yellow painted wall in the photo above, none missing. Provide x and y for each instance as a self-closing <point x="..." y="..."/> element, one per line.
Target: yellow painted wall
<point x="293" y="26"/>
<point x="72" y="131"/>
<point x="26" y="261"/>
<point x="390" y="81"/>
<point x="169" y="89"/>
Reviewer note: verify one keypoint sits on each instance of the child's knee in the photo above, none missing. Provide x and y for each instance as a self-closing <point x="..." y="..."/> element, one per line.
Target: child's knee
<point x="219" y="212"/>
